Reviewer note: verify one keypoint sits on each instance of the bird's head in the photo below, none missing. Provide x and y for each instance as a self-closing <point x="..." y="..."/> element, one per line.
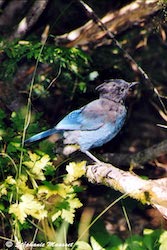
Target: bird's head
<point x="115" y="89"/>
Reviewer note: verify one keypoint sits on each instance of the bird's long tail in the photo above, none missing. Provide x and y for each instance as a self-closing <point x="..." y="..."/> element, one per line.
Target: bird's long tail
<point x="41" y="135"/>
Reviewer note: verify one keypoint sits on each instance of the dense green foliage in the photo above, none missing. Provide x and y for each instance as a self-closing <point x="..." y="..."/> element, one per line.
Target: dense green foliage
<point x="15" y="53"/>
<point x="28" y="188"/>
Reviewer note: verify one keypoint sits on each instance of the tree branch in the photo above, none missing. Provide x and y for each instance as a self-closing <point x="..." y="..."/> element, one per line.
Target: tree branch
<point x="9" y="14"/>
<point x="138" y="158"/>
<point x="152" y="192"/>
<point x="30" y="19"/>
<point x="115" y="21"/>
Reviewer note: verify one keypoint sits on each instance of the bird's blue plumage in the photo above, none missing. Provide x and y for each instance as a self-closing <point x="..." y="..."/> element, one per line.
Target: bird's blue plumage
<point x="81" y="119"/>
<point x="41" y="135"/>
<point x="97" y="122"/>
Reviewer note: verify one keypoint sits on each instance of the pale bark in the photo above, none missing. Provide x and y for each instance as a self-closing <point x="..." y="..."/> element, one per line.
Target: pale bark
<point x="153" y="192"/>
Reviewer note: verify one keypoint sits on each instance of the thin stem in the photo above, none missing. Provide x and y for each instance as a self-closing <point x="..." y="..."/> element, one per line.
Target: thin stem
<point x="28" y="110"/>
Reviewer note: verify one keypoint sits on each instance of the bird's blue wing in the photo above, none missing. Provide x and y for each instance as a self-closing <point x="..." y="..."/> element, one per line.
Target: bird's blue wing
<point x="72" y="121"/>
<point x="80" y="119"/>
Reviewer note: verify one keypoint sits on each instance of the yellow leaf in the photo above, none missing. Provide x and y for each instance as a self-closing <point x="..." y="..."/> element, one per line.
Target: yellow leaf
<point x="34" y="157"/>
<point x="28" y="205"/>
<point x="56" y="215"/>
<point x="21" y="185"/>
<point x="63" y="189"/>
<point x="36" y="165"/>
<point x="18" y="212"/>
<point x="3" y="190"/>
<point x="75" y="203"/>
<point x="10" y="180"/>
<point x="75" y="170"/>
<point x="68" y="215"/>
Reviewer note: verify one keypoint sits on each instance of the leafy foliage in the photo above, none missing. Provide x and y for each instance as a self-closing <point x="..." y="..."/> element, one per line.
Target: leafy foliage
<point x="15" y="52"/>
<point x="28" y="190"/>
<point x="151" y="239"/>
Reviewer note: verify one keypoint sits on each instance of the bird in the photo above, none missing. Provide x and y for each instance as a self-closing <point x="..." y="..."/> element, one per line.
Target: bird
<point x="97" y="122"/>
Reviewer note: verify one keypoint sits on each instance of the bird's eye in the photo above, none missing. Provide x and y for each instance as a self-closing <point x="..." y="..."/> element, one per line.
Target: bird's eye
<point x="122" y="90"/>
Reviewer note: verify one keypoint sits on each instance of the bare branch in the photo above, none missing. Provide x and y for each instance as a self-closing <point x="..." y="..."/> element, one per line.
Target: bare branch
<point x="138" y="158"/>
<point x="152" y="192"/>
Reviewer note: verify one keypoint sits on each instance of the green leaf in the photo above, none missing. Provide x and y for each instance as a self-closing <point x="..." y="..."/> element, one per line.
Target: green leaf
<point x="135" y="242"/>
<point x="150" y="238"/>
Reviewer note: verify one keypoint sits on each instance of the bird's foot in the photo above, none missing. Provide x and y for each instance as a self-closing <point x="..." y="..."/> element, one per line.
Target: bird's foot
<point x="92" y="156"/>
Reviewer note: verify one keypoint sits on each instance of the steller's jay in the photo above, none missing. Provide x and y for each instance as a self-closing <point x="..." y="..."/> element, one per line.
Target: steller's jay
<point x="95" y="123"/>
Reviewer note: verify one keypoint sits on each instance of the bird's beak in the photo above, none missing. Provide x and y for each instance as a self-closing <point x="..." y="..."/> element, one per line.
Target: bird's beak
<point x="133" y="84"/>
